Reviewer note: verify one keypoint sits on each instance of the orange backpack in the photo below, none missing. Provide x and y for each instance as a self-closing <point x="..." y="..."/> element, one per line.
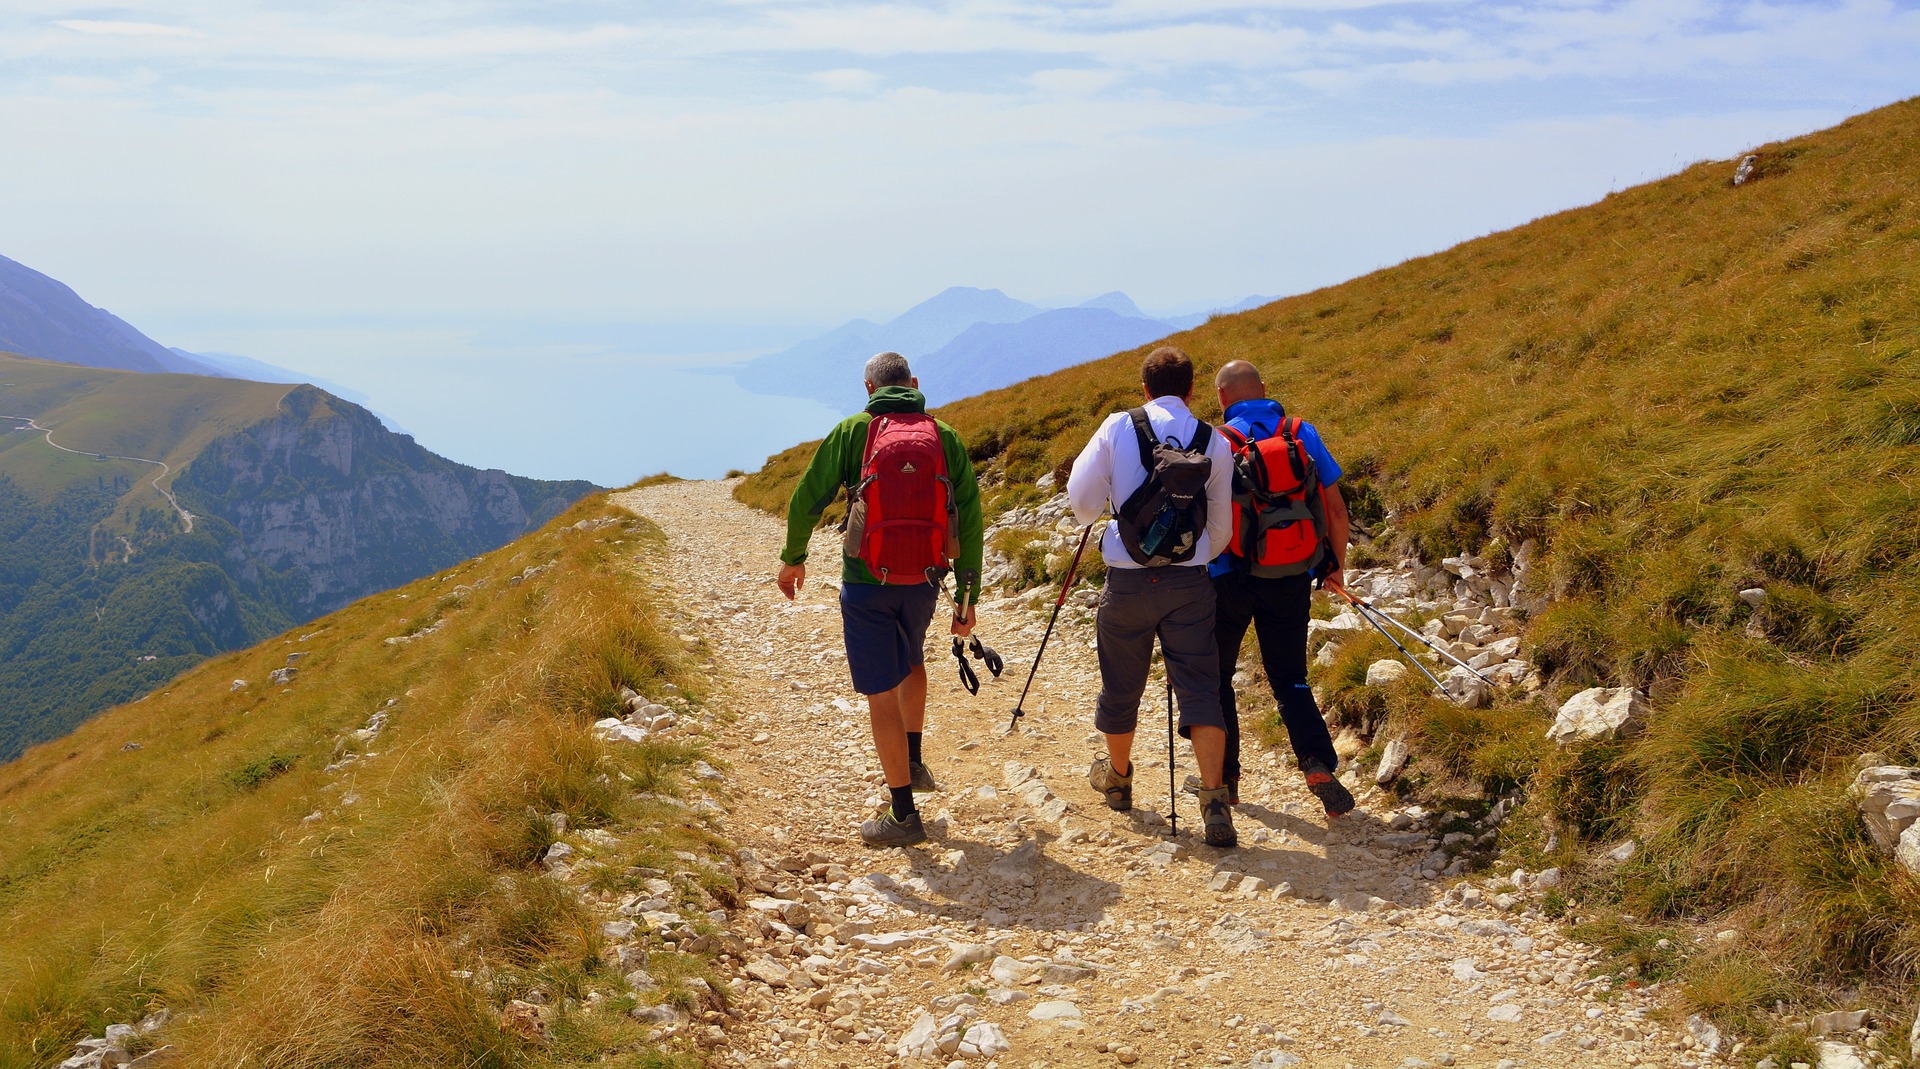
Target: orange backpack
<point x="1279" y="507"/>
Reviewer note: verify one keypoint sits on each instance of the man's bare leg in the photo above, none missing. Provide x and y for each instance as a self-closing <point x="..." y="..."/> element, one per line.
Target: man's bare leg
<point x="1120" y="753"/>
<point x="890" y="736"/>
<point x="894" y="713"/>
<point x="912" y="693"/>
<point x="1210" y="752"/>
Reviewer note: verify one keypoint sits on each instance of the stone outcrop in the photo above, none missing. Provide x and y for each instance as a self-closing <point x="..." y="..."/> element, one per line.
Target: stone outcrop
<point x="328" y="505"/>
<point x="1889" y="797"/>
<point x="1599" y="713"/>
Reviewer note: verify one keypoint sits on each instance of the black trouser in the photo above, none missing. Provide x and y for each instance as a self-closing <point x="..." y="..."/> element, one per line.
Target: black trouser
<point x="1278" y="610"/>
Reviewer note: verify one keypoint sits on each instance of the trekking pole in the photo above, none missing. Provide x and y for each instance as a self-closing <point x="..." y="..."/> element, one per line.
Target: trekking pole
<point x="1411" y="659"/>
<point x="1173" y="808"/>
<point x="1019" y="707"/>
<point x="1366" y="607"/>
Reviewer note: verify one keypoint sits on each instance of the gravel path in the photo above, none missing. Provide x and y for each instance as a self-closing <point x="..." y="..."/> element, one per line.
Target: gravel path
<point x="1038" y="921"/>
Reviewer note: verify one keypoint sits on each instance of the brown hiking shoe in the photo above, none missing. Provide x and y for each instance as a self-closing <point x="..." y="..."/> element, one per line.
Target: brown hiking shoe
<point x="1218" y="815"/>
<point x="1191" y="785"/>
<point x="1118" y="789"/>
<point x="1332" y="793"/>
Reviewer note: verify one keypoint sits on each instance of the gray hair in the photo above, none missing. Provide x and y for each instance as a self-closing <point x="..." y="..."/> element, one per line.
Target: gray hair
<point x="889" y="369"/>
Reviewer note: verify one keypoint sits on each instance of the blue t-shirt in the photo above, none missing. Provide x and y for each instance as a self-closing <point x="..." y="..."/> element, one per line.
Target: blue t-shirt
<point x="1260" y="418"/>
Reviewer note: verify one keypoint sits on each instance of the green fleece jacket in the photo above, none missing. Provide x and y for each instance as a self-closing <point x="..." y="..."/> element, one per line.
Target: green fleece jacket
<point x="837" y="464"/>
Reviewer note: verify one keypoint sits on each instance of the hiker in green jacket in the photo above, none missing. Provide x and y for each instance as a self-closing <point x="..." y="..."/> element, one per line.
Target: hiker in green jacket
<point x="914" y="513"/>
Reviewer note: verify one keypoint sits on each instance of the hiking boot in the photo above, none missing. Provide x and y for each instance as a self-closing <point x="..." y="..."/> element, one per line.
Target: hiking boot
<point x="885" y="830"/>
<point x="1332" y="793"/>
<point x="922" y="781"/>
<point x="1218" y="815"/>
<point x="1192" y="786"/>
<point x="1118" y="789"/>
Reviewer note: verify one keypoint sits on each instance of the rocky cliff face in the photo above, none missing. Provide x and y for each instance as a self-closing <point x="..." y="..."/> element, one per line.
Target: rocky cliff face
<point x="328" y="505"/>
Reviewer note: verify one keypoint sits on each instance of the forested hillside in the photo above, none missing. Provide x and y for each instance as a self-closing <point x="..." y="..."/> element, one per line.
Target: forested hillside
<point x="1688" y="390"/>
<point x="299" y="503"/>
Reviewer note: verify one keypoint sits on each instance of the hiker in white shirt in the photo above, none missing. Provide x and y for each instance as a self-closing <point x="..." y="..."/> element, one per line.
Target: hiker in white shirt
<point x="1168" y="596"/>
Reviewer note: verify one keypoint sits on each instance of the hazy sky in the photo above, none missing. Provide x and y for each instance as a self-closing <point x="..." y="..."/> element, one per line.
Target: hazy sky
<point x="271" y="175"/>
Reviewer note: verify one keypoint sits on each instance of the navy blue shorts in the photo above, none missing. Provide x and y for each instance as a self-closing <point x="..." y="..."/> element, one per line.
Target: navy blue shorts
<point x="886" y="631"/>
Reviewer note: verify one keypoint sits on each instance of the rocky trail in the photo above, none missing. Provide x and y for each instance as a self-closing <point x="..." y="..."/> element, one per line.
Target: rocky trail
<point x="1036" y="927"/>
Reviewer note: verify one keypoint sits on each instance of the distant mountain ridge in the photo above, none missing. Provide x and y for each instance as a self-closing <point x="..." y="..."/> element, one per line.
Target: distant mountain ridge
<point x="987" y="356"/>
<point x="964" y="340"/>
<point x="44" y="318"/>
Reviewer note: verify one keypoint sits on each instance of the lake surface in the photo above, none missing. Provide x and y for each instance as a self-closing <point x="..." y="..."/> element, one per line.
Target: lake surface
<point x="548" y="410"/>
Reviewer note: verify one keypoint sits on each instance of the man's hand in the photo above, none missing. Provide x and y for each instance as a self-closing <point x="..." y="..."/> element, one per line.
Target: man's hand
<point x="963" y="626"/>
<point x="1336" y="580"/>
<point x="792" y="578"/>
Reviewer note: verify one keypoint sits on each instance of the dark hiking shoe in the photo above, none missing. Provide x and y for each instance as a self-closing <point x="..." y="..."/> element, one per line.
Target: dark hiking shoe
<point x="1192" y="786"/>
<point x="885" y="830"/>
<point x="1332" y="793"/>
<point x="1118" y="789"/>
<point x="1218" y="815"/>
<point x="922" y="781"/>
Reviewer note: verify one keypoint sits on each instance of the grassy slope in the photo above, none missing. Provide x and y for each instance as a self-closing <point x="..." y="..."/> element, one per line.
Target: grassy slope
<point x="182" y="874"/>
<point x="170" y="418"/>
<point x="1683" y="390"/>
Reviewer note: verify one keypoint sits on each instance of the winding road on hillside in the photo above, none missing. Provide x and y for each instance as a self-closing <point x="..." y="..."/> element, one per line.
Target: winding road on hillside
<point x="165" y="469"/>
<point x="1081" y="936"/>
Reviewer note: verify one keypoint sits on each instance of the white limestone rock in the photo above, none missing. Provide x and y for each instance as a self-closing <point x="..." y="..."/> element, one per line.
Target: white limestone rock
<point x="984" y="1041"/>
<point x="1599" y="713"/>
<point x="1838" y="1056"/>
<point x="1889" y="797"/>
<point x="1385" y="671"/>
<point x="1393" y="760"/>
<point x="1055" y="1010"/>
<point x="1466" y="688"/>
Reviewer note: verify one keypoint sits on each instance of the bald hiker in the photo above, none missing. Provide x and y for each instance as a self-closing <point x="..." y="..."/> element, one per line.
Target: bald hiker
<point x="913" y="515"/>
<point x="1168" y="479"/>
<point x="1290" y="527"/>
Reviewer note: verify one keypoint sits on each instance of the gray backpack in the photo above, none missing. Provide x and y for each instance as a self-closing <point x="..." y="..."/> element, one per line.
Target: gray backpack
<point x="1161" y="523"/>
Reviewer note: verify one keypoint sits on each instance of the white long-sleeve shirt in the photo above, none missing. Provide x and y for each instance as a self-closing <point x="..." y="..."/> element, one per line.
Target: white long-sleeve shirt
<point x="1108" y="471"/>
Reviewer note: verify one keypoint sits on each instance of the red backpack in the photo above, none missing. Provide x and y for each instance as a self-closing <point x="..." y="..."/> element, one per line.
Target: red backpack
<point x="901" y="517"/>
<point x="1279" y="512"/>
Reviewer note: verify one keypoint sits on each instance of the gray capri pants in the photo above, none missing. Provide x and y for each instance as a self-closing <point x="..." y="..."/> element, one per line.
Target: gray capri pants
<point x="1175" y="603"/>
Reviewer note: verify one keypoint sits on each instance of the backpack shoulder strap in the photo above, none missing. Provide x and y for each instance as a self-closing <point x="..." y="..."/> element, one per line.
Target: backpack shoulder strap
<point x="1202" y="436"/>
<point x="1233" y="436"/>
<point x="866" y="453"/>
<point x="1143" y="432"/>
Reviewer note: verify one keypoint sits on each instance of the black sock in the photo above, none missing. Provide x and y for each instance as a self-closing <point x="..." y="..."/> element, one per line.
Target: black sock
<point x="903" y="806"/>
<point x="913" y="747"/>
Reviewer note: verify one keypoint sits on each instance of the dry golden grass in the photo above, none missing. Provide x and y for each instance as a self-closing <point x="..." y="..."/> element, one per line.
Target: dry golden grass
<point x="1684" y="390"/>
<point x="183" y="874"/>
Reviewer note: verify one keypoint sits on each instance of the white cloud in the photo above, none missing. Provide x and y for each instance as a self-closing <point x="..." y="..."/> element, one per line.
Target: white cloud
<point x="465" y="157"/>
<point x="1073" y="82"/>
<point x="846" y="79"/>
<point x="124" y="29"/>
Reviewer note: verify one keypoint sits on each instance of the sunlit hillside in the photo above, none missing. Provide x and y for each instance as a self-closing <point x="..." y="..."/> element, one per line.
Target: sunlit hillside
<point x="342" y="868"/>
<point x="150" y="520"/>
<point x="1687" y="389"/>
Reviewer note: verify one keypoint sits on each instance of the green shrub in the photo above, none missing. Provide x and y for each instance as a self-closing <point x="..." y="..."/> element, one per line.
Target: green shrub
<point x="260" y="770"/>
